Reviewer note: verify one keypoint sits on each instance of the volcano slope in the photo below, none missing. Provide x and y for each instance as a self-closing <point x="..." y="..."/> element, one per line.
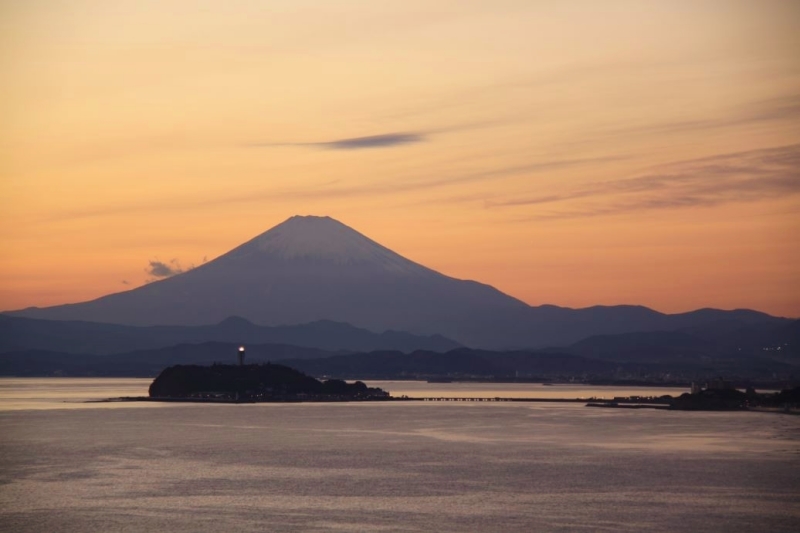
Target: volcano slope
<point x="316" y="268"/>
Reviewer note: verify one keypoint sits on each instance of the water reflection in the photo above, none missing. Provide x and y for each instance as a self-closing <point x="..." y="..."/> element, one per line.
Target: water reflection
<point x="72" y="393"/>
<point x="69" y="393"/>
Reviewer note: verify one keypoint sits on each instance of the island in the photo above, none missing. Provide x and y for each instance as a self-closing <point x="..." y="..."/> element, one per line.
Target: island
<point x="269" y="382"/>
<point x="254" y="383"/>
<point x="717" y="395"/>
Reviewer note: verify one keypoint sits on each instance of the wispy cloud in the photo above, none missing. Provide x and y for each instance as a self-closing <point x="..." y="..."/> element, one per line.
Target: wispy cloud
<point x="725" y="178"/>
<point x="786" y="108"/>
<point x="336" y="189"/>
<point x="460" y="178"/>
<point x="373" y="141"/>
<point x="383" y="140"/>
<point x="722" y="178"/>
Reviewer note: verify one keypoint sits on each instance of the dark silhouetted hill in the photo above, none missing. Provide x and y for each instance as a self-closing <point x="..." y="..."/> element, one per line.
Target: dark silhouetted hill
<point x="545" y="364"/>
<point x="18" y="333"/>
<point x="461" y="362"/>
<point x="142" y="363"/>
<point x="259" y="382"/>
<point x="723" y="339"/>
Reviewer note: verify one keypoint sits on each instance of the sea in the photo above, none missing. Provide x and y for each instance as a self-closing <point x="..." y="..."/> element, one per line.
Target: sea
<point x="67" y="465"/>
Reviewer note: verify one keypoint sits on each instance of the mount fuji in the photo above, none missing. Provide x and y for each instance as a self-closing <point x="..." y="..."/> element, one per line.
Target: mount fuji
<point x="316" y="268"/>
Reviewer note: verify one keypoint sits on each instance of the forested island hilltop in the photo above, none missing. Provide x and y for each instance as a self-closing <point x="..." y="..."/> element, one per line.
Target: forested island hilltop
<point x="255" y="382"/>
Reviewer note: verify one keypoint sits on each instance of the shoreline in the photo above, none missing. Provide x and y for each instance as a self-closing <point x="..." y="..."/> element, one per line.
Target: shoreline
<point x="626" y="403"/>
<point x="334" y="400"/>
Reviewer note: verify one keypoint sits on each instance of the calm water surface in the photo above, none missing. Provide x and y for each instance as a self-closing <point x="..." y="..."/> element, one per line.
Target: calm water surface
<point x="421" y="389"/>
<point x="70" y="466"/>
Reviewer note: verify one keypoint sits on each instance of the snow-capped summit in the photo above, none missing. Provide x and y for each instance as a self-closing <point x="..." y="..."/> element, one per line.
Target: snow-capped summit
<point x="327" y="240"/>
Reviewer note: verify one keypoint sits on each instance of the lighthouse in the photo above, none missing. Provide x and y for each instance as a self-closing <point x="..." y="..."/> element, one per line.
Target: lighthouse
<point x="241" y="355"/>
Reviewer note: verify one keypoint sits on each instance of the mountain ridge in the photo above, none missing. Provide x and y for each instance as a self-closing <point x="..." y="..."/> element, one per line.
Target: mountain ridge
<point x="751" y="353"/>
<point x="308" y="269"/>
<point x="19" y="333"/>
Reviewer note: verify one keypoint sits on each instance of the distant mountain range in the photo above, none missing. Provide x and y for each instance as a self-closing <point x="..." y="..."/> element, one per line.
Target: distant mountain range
<point x="759" y="352"/>
<point x="745" y="353"/>
<point x="96" y="338"/>
<point x="142" y="363"/>
<point x="729" y="339"/>
<point x="311" y="269"/>
<point x="456" y="363"/>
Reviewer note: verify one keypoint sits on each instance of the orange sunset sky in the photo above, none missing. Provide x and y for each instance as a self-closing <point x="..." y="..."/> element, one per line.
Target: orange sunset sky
<point x="572" y="153"/>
